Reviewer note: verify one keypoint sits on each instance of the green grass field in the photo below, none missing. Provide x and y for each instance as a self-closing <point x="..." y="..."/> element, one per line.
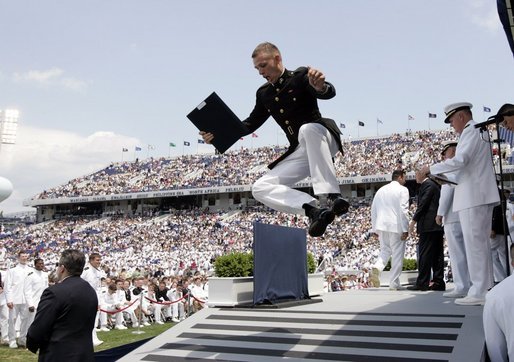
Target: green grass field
<point x="111" y="339"/>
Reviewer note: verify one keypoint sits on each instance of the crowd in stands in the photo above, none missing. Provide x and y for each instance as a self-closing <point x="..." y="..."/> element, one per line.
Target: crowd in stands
<point x="189" y="239"/>
<point x="157" y="267"/>
<point x="362" y="157"/>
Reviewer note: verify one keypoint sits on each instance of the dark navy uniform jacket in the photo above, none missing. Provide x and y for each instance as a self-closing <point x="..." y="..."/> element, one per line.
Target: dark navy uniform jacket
<point x="292" y="102"/>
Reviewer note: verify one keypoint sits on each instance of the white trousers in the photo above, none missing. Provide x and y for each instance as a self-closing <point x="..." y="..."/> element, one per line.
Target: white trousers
<point x="391" y="246"/>
<point x="4" y="321"/>
<point x="20" y="311"/>
<point x="178" y="310"/>
<point x="312" y="157"/>
<point x="458" y="260"/>
<point x="159" y="310"/>
<point x="117" y="317"/>
<point x="476" y="229"/>
<point x="499" y="257"/>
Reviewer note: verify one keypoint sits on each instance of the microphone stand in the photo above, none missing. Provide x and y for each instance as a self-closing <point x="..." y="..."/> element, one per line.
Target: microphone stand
<point x="483" y="127"/>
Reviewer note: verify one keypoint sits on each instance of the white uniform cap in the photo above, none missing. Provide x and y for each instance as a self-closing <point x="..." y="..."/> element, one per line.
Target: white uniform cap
<point x="453" y="108"/>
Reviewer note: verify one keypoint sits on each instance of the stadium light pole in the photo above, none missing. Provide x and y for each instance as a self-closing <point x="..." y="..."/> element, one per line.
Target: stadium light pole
<point x="8" y="128"/>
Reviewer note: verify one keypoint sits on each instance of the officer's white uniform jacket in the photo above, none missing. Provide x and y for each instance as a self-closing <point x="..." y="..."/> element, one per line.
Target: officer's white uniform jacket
<point x="390" y="208"/>
<point x="94" y="277"/>
<point x="499" y="321"/>
<point x="446" y="205"/>
<point x="473" y="169"/>
<point x="35" y="283"/>
<point x="14" y="282"/>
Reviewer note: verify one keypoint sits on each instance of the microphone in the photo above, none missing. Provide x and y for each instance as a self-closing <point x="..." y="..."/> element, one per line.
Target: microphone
<point x="491" y="120"/>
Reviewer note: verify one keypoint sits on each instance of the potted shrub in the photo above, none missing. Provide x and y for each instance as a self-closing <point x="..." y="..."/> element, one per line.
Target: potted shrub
<point x="408" y="275"/>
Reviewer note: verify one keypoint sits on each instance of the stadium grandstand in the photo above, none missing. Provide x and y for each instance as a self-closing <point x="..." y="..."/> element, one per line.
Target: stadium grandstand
<point x="172" y="214"/>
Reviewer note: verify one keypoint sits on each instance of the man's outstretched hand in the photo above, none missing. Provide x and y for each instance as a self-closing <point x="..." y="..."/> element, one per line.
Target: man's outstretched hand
<point x="207" y="137"/>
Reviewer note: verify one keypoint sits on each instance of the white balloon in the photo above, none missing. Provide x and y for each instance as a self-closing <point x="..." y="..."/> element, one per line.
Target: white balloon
<point x="5" y="188"/>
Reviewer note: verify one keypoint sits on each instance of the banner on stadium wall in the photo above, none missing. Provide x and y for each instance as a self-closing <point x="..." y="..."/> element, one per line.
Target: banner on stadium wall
<point x="209" y="190"/>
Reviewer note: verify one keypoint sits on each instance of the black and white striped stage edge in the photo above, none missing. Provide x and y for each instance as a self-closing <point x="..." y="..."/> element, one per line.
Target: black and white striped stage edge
<point x="358" y="325"/>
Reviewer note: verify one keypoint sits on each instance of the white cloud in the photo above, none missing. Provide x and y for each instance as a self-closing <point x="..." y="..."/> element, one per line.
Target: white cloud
<point x="485" y="14"/>
<point x="73" y="84"/>
<point x="54" y="76"/>
<point x="38" y="76"/>
<point x="44" y="158"/>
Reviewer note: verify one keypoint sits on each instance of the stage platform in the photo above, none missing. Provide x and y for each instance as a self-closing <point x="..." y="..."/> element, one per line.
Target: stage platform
<point x="357" y="325"/>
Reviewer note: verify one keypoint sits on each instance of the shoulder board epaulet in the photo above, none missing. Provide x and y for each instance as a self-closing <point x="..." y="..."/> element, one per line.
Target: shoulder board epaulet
<point x="86" y="268"/>
<point x="30" y="273"/>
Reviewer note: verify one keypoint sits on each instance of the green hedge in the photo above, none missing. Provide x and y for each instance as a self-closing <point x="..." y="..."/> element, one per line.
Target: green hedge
<point x="241" y="265"/>
<point x="408" y="264"/>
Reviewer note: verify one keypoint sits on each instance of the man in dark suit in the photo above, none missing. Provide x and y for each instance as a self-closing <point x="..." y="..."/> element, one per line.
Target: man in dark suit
<point x="61" y="330"/>
<point x="498" y="240"/>
<point x="430" y="246"/>
<point x="291" y="98"/>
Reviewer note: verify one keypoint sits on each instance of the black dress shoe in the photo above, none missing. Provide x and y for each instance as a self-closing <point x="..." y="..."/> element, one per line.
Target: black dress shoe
<point x="340" y="206"/>
<point x="439" y="287"/>
<point x="319" y="220"/>
<point x="418" y="288"/>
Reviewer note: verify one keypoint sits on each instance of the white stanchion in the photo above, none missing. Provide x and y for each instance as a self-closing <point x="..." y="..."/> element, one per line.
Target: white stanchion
<point x="140" y="319"/>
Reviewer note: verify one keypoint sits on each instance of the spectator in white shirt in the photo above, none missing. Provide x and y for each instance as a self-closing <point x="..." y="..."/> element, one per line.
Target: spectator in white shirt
<point x="93" y="274"/>
<point x="16" y="300"/>
<point x="34" y="285"/>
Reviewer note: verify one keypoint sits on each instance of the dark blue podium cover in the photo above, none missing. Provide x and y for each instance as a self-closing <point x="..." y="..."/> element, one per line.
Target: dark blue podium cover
<point x="280" y="264"/>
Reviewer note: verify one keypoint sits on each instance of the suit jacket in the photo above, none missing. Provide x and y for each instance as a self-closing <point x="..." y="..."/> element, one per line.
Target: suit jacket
<point x="428" y="203"/>
<point x="499" y="218"/>
<point x="473" y="169"/>
<point x="292" y="102"/>
<point x="64" y="320"/>
<point x="390" y="208"/>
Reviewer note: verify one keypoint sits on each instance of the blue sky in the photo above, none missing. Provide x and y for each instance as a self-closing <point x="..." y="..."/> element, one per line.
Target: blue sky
<point x="91" y="77"/>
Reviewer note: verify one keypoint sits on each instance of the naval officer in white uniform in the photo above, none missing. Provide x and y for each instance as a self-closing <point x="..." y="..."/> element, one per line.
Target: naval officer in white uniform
<point x="453" y="232"/>
<point x="475" y="196"/>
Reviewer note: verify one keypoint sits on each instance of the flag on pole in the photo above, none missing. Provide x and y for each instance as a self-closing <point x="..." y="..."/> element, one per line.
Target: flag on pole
<point x="172" y="144"/>
<point x="379" y="121"/>
<point x="138" y="148"/>
<point x="342" y="125"/>
<point x="187" y="143"/>
<point x="410" y="118"/>
<point x="487" y="109"/>
<point x="124" y="149"/>
<point x="432" y="115"/>
<point x="201" y="141"/>
<point x="361" y="124"/>
<point x="254" y="135"/>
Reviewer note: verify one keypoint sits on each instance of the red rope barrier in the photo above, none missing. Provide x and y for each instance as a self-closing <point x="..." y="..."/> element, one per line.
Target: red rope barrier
<point x="119" y="310"/>
<point x="164" y="303"/>
<point x="198" y="300"/>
